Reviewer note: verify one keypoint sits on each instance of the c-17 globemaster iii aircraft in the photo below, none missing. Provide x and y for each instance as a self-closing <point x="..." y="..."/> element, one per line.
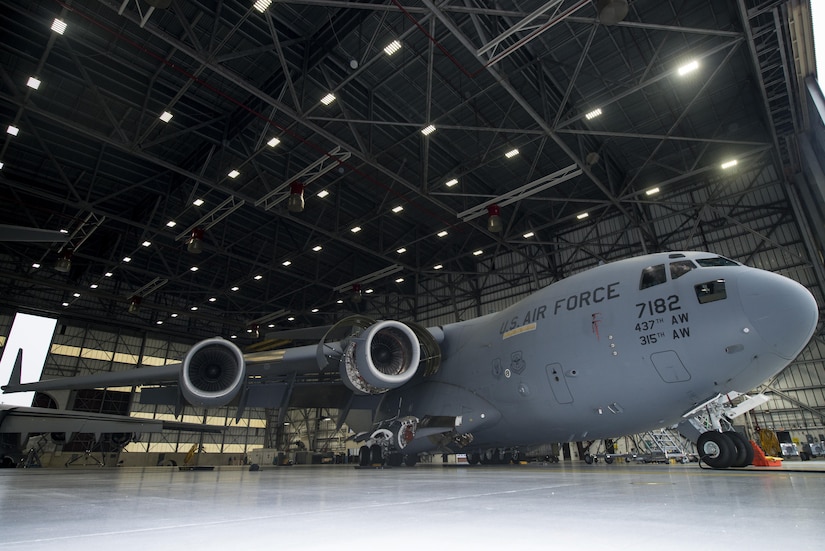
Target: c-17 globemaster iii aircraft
<point x="620" y="349"/>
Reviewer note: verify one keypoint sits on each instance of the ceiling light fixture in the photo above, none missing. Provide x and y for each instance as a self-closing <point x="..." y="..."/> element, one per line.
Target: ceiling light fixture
<point x="356" y="229"/>
<point x="494" y="224"/>
<point x="233" y="174"/>
<point x="127" y="259"/>
<point x="236" y="288"/>
<point x="261" y="5"/>
<point x="59" y="26"/>
<point x="442" y="233"/>
<point x="36" y="265"/>
<point x="258" y="277"/>
<point x="93" y="286"/>
<point x="729" y="164"/>
<point x="213" y="299"/>
<point x="193" y="269"/>
<point x="147" y="243"/>
<point x="528" y="235"/>
<point x="13" y="130"/>
<point x="401" y="250"/>
<point x="688" y="68"/>
<point x="512" y="153"/>
<point x="166" y="116"/>
<point x="273" y="142"/>
<point x="317" y="248"/>
<point x="197" y="202"/>
<point x="478" y="253"/>
<point x="171" y="224"/>
<point x="582" y="216"/>
<point x="323" y="193"/>
<point x="397" y="209"/>
<point x="108" y="274"/>
<point x="195" y="242"/>
<point x="286" y="263"/>
<point x="329" y="98"/>
<point x="438" y="266"/>
<point x="652" y="191"/>
<point x="427" y="130"/>
<point x="295" y="203"/>
<point x="593" y="114"/>
<point x="451" y="183"/>
<point x="33" y="83"/>
<point x="392" y="47"/>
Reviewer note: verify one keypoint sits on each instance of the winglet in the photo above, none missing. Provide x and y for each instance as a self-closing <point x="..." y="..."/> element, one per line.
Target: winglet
<point x="14" y="379"/>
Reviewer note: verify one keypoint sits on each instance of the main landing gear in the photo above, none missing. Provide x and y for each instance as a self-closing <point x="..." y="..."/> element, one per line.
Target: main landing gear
<point x="721" y="450"/>
<point x="375" y="456"/>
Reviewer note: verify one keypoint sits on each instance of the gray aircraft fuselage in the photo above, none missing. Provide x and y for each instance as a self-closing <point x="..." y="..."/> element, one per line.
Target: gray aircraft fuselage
<point x="619" y="349"/>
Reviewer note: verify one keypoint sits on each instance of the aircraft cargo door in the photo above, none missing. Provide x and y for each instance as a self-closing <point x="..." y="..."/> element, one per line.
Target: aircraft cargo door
<point x="558" y="384"/>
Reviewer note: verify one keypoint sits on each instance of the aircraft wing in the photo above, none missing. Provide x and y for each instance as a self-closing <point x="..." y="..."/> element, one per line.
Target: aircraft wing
<point x="356" y="360"/>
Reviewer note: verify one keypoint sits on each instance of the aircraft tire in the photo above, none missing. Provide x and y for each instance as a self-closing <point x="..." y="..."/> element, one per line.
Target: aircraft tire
<point x="744" y="450"/>
<point x="395" y="459"/>
<point x="588" y="458"/>
<point x="473" y="458"/>
<point x="364" y="456"/>
<point x="716" y="449"/>
<point x="608" y="459"/>
<point x="376" y="455"/>
<point x="410" y="459"/>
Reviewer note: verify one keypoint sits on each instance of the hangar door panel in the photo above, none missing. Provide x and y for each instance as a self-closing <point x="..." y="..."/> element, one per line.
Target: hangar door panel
<point x="558" y="384"/>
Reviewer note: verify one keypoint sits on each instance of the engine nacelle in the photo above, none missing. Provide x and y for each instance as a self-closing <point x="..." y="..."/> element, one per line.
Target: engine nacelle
<point x="213" y="373"/>
<point x="384" y="356"/>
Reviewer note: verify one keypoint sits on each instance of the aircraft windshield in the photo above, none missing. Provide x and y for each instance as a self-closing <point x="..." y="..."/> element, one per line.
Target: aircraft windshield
<point x="716" y="261"/>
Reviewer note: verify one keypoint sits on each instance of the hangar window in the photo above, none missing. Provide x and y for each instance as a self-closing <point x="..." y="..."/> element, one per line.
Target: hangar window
<point x="711" y="291"/>
<point x="653" y="275"/>
<point x="680" y="268"/>
<point x="716" y="261"/>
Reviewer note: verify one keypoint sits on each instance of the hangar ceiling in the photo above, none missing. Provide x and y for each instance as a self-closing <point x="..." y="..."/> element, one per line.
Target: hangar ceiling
<point x="92" y="157"/>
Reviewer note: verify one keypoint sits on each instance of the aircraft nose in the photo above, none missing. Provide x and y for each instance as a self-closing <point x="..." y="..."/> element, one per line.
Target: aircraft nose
<point x="781" y="311"/>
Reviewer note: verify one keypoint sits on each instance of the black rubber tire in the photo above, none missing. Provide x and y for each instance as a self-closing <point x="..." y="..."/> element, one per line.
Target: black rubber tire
<point x="608" y="459"/>
<point x="744" y="450"/>
<point x="376" y="455"/>
<point x="395" y="459"/>
<point x="364" y="456"/>
<point x="410" y="459"/>
<point x="716" y="449"/>
<point x="473" y="458"/>
<point x="588" y="458"/>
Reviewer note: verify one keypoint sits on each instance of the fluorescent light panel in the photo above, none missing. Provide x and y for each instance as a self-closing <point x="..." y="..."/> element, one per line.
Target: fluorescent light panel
<point x="593" y="114"/>
<point x="323" y="193"/>
<point x="261" y="5"/>
<point x="33" y="83"/>
<point x="512" y="153"/>
<point x="582" y="216"/>
<point x="688" y="67"/>
<point x="729" y="164"/>
<point x="233" y="173"/>
<point x="392" y="47"/>
<point x="197" y="202"/>
<point x="329" y="98"/>
<point x="451" y="183"/>
<point x="652" y="191"/>
<point x="166" y="116"/>
<point x="427" y="130"/>
<point x="13" y="130"/>
<point x="59" y="26"/>
<point x="273" y="142"/>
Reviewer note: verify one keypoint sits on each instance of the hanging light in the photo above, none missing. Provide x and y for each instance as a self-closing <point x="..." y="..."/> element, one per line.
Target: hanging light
<point x="64" y="263"/>
<point x="195" y="242"/>
<point x="255" y="329"/>
<point x="494" y="221"/>
<point x="134" y="304"/>
<point x="356" y="293"/>
<point x="296" y="197"/>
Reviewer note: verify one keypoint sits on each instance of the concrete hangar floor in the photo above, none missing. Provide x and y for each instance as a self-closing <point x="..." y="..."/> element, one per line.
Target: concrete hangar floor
<point x="620" y="506"/>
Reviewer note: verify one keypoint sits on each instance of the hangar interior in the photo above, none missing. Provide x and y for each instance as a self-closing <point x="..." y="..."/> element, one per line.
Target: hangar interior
<point x="241" y="167"/>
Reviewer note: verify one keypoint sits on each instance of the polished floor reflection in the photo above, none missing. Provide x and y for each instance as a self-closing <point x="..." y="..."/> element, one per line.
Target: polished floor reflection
<point x="340" y="507"/>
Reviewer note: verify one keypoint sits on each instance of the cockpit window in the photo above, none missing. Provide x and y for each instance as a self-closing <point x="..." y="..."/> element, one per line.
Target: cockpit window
<point x="711" y="291"/>
<point x="653" y="275"/>
<point x="680" y="268"/>
<point x="716" y="261"/>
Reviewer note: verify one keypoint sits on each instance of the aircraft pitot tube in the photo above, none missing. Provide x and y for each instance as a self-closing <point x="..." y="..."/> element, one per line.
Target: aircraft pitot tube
<point x="382" y="357"/>
<point x="213" y="373"/>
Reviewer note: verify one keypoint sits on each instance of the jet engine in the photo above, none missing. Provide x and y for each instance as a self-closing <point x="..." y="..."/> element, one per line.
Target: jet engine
<point x="213" y="373"/>
<point x="382" y="357"/>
